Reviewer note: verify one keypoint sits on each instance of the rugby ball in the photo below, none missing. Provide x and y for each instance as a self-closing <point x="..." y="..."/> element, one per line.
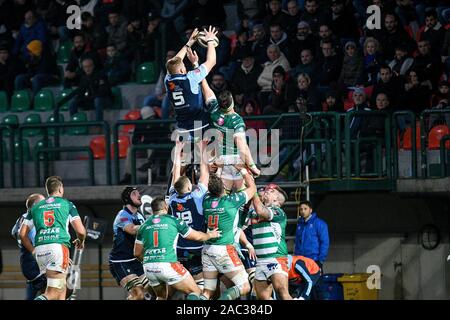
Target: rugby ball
<point x="145" y="207"/>
<point x="201" y="39"/>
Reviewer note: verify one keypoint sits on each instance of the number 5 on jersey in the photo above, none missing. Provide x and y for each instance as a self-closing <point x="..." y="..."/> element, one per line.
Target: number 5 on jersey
<point x="178" y="98"/>
<point x="49" y="218"/>
<point x="213" y="222"/>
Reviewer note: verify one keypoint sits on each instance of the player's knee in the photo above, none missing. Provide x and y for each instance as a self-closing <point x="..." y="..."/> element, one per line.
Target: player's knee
<point x="241" y="281"/>
<point x="210" y="284"/>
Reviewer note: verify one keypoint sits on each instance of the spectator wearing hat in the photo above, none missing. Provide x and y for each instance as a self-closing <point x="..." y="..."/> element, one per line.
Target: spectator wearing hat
<point x="145" y="133"/>
<point x="283" y="93"/>
<point x="259" y="42"/>
<point x="304" y="39"/>
<point x="9" y="69"/>
<point x="276" y="58"/>
<point x="402" y="61"/>
<point x="313" y="15"/>
<point x="117" y="30"/>
<point x="245" y="78"/>
<point x="352" y="66"/>
<point x="359" y="104"/>
<point x="307" y="65"/>
<point x="40" y="69"/>
<point x="332" y="102"/>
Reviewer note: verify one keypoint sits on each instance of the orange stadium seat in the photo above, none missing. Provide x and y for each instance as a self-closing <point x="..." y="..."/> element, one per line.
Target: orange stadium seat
<point x="407" y="144"/>
<point x="124" y="144"/>
<point x="435" y="136"/>
<point x="98" y="147"/>
<point x="132" y="115"/>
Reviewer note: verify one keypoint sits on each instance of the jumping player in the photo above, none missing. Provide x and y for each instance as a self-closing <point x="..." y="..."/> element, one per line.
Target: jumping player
<point x="123" y="265"/>
<point x="186" y="204"/>
<point x="51" y="218"/>
<point x="155" y="247"/>
<point x="268" y="227"/>
<point x="219" y="255"/>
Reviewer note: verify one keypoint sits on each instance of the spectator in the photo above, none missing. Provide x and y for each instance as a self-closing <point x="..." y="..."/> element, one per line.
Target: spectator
<point x="9" y="69"/>
<point x="117" y="30"/>
<point x="259" y="44"/>
<point x="94" y="91"/>
<point x="33" y="28"/>
<point x="306" y="90"/>
<point x="145" y="133"/>
<point x="56" y="18"/>
<point x="293" y="18"/>
<point x="343" y="21"/>
<point x="332" y="102"/>
<point x="13" y="13"/>
<point x="205" y="13"/>
<point x="433" y="32"/>
<point x="103" y="8"/>
<point x="93" y="32"/>
<point x="375" y="124"/>
<point x="326" y="34"/>
<point x="135" y="41"/>
<point x="428" y="64"/>
<point x="248" y="12"/>
<point x="372" y="61"/>
<point x="415" y="96"/>
<point x="139" y="9"/>
<point x="394" y="35"/>
<point x="159" y="98"/>
<point x="218" y="83"/>
<point x="276" y="58"/>
<point x="388" y="84"/>
<point x="40" y="69"/>
<point x="116" y="68"/>
<point x="402" y="62"/>
<point x="283" y="93"/>
<point x="352" y="66"/>
<point x="406" y="12"/>
<point x="152" y="37"/>
<point x="313" y="15"/>
<point x="441" y="101"/>
<point x="242" y="46"/>
<point x="79" y="51"/>
<point x="275" y="15"/>
<point x="251" y="109"/>
<point x="311" y="236"/>
<point x="280" y="38"/>
<point x="307" y="65"/>
<point x="173" y="11"/>
<point x="358" y="122"/>
<point x="304" y="39"/>
<point x="246" y="76"/>
<point x="445" y="53"/>
<point x="329" y="67"/>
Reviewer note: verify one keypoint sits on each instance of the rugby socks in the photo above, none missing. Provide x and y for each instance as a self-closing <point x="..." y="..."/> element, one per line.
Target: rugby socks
<point x="192" y="296"/>
<point x="231" y="294"/>
<point x="41" y="297"/>
<point x="202" y="297"/>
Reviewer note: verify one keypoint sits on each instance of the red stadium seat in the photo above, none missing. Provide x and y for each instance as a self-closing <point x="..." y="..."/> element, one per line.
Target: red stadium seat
<point x="132" y="115"/>
<point x="435" y="136"/>
<point x="124" y="144"/>
<point x="407" y="144"/>
<point x="98" y="147"/>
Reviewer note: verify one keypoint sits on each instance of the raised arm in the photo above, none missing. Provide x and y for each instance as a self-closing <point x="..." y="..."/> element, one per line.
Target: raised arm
<point x="261" y="210"/>
<point x="182" y="53"/>
<point x="246" y="155"/>
<point x="176" y="167"/>
<point x="211" y="52"/>
<point x="249" y="182"/>
<point x="204" y="167"/>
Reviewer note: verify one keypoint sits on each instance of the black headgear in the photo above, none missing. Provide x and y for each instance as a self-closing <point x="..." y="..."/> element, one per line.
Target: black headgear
<point x="126" y="195"/>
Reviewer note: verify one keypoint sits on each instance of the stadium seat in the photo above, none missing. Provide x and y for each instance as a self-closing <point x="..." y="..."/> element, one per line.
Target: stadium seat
<point x="62" y="95"/>
<point x="435" y="136"/>
<point x="11" y="120"/>
<point x="44" y="101"/>
<point x="40" y="145"/>
<point x="32" y="118"/>
<point x="4" y="105"/>
<point x="146" y="73"/>
<point x="407" y="145"/>
<point x="98" y="147"/>
<point x="132" y="115"/>
<point x="25" y="150"/>
<point x="21" y="101"/>
<point x="51" y="119"/>
<point x="77" y="131"/>
<point x="117" y="98"/>
<point x="124" y="144"/>
<point x="64" y="50"/>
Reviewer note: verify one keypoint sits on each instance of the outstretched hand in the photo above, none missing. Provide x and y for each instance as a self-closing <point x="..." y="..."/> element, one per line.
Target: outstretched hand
<point x="193" y="37"/>
<point x="192" y="56"/>
<point x="211" y="33"/>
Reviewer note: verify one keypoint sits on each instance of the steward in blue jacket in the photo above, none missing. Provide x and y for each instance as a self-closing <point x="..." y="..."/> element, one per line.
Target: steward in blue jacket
<point x="311" y="236"/>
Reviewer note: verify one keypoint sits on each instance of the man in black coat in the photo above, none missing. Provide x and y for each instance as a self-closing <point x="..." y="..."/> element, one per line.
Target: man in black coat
<point x="246" y="76"/>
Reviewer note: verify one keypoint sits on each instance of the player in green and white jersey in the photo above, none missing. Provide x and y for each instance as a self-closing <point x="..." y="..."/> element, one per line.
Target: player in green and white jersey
<point x="155" y="246"/>
<point x="268" y="230"/>
<point x="219" y="255"/>
<point x="231" y="129"/>
<point x="51" y="218"/>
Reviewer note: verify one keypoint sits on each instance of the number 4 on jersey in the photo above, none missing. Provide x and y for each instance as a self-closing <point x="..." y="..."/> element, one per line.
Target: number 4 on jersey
<point x="213" y="222"/>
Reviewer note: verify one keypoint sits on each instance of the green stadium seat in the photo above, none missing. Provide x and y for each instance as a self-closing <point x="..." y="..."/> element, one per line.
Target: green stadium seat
<point x="44" y="101"/>
<point x="64" y="50"/>
<point x="32" y="118"/>
<point x="12" y="120"/>
<point x="117" y="98"/>
<point x="39" y="145"/>
<point x="21" y="101"/>
<point x="25" y="150"/>
<point x="4" y="104"/>
<point x="146" y="73"/>
<point x="64" y="93"/>
<point x="78" y="131"/>
<point x="51" y="119"/>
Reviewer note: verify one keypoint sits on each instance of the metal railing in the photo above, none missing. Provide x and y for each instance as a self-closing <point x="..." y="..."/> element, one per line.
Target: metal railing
<point x="12" y="161"/>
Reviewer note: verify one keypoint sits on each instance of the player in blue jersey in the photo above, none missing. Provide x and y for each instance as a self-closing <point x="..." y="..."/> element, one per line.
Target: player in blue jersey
<point x="36" y="281"/>
<point x="124" y="266"/>
<point x="186" y="203"/>
<point x="184" y="90"/>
